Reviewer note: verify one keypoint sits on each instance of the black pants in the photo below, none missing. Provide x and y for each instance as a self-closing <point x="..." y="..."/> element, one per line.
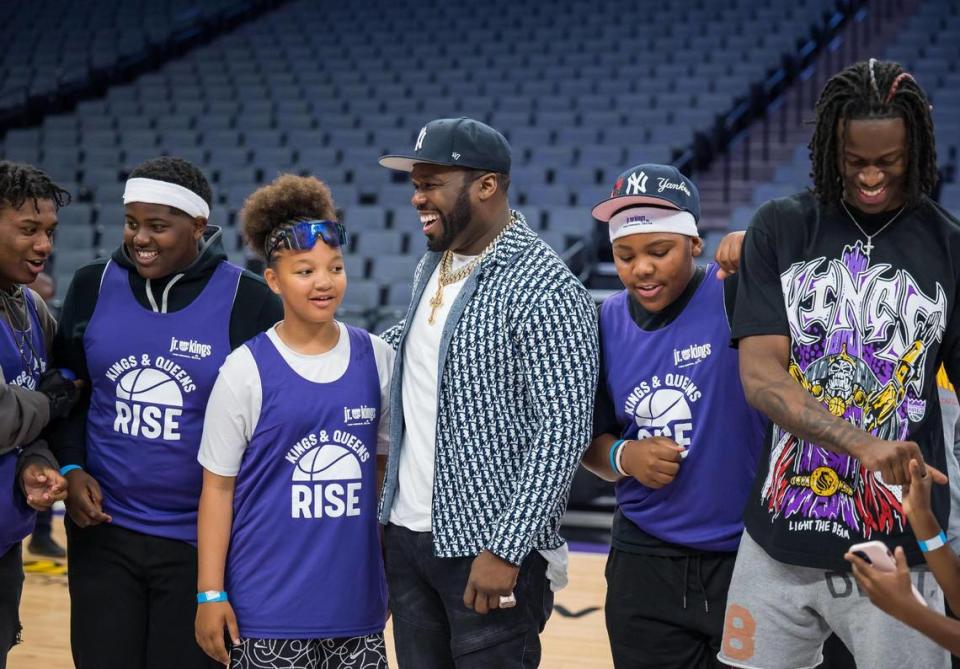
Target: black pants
<point x="433" y="629"/>
<point x="132" y="600"/>
<point x="666" y="612"/>
<point x="44" y="524"/>
<point x="11" y="587"/>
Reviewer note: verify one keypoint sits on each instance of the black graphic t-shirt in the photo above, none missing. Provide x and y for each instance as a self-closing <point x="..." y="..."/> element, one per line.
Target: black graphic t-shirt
<point x="869" y="323"/>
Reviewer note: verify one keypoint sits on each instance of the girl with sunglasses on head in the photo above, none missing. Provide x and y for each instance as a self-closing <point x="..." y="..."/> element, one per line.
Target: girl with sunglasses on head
<point x="291" y="454"/>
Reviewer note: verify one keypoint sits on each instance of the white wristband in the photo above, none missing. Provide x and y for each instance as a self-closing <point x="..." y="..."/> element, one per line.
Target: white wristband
<point x="933" y="543"/>
<point x="619" y="458"/>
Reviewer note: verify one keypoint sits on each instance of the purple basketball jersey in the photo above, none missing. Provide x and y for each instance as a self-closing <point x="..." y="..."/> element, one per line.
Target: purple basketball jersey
<point x="152" y="374"/>
<point x="305" y="559"/>
<point x="682" y="382"/>
<point x="23" y="358"/>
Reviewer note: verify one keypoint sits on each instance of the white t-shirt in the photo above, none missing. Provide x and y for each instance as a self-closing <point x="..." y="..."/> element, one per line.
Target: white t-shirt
<point x="234" y="405"/>
<point x="421" y="366"/>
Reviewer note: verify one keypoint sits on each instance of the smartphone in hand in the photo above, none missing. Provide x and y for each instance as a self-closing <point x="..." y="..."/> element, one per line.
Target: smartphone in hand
<point x="879" y="556"/>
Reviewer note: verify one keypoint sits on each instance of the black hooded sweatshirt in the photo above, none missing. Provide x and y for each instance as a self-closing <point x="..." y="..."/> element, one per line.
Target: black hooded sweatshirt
<point x="255" y="308"/>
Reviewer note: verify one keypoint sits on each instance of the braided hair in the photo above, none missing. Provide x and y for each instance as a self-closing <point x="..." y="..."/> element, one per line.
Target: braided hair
<point x="20" y="182"/>
<point x="873" y="90"/>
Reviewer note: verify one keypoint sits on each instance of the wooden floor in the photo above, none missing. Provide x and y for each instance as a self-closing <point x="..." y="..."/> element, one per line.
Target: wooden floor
<point x="575" y="637"/>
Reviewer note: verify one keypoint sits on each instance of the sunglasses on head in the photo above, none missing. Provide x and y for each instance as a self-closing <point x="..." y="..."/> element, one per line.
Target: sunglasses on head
<point x="303" y="236"/>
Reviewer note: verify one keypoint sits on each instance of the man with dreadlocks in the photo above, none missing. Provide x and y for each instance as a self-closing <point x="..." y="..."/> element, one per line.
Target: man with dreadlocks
<point x="845" y="310"/>
<point x="30" y="396"/>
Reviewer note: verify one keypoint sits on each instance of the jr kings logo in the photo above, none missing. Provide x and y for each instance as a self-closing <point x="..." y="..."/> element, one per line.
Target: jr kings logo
<point x="691" y="355"/>
<point x="149" y="396"/>
<point x="361" y="415"/>
<point x="327" y="475"/>
<point x="190" y="348"/>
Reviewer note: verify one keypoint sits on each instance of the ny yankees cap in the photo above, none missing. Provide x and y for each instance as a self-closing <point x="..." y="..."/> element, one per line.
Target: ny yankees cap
<point x="459" y="142"/>
<point x="652" y="185"/>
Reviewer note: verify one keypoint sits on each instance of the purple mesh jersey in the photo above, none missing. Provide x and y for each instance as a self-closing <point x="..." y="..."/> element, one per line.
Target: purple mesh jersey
<point x="23" y="359"/>
<point x="682" y="382"/>
<point x="305" y="559"/>
<point x="151" y="376"/>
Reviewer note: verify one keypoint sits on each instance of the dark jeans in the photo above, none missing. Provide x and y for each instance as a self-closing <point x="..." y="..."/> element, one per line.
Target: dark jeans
<point x="432" y="629"/>
<point x="132" y="600"/>
<point x="11" y="587"/>
<point x="666" y="612"/>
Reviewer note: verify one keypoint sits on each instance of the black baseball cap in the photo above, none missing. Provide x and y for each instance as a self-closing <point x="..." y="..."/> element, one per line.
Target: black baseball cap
<point x="458" y="142"/>
<point x="651" y="185"/>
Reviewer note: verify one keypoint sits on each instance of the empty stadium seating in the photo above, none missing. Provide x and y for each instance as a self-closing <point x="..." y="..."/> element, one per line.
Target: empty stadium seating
<point x="581" y="89"/>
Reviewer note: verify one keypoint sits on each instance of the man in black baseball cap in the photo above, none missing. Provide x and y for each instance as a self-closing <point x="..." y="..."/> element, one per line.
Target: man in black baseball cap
<point x="450" y="157"/>
<point x="458" y="142"/>
<point x="491" y="402"/>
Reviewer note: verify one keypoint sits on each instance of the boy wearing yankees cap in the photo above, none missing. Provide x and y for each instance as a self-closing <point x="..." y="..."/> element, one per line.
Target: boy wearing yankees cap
<point x="671" y="427"/>
<point x="147" y="330"/>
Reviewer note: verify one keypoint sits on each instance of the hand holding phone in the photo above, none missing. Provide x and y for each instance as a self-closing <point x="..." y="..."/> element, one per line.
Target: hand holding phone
<point x="879" y="557"/>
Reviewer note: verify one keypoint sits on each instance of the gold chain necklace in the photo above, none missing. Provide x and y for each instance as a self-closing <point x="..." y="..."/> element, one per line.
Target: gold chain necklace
<point x="447" y="277"/>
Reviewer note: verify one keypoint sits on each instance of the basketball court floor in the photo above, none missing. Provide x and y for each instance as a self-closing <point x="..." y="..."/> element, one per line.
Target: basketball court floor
<point x="575" y="637"/>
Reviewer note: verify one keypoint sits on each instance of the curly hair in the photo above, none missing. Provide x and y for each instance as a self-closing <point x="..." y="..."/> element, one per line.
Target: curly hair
<point x="869" y="90"/>
<point x="289" y="197"/>
<point x="20" y="182"/>
<point x="175" y="171"/>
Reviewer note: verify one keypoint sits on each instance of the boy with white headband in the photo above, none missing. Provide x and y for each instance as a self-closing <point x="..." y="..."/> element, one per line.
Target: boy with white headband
<point x="148" y="330"/>
<point x="671" y="427"/>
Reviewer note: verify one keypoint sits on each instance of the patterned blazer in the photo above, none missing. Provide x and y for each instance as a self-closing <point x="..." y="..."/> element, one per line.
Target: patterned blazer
<point x="518" y="372"/>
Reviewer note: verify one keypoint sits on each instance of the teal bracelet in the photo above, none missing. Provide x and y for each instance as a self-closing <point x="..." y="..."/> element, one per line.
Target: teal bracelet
<point x="617" y="445"/>
<point x="208" y="596"/>
<point x="66" y="469"/>
<point x="933" y="543"/>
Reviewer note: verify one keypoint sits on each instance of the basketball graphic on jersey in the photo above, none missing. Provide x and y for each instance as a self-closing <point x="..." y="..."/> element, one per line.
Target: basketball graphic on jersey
<point x="327" y="462"/>
<point x="327" y="481"/>
<point x="149" y="404"/>
<point x="665" y="413"/>
<point x="151" y="386"/>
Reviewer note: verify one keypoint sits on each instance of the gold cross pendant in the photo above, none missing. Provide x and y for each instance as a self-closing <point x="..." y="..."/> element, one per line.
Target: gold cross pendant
<point x="436" y="302"/>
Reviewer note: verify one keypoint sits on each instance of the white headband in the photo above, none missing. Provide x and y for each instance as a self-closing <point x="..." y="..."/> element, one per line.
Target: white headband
<point x="153" y="191"/>
<point x="636" y="220"/>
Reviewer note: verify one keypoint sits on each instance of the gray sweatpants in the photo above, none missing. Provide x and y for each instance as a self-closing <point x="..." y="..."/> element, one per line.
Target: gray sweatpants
<point x="779" y="615"/>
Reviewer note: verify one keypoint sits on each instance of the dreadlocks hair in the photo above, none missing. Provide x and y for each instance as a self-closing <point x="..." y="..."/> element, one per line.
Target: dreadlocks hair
<point x="175" y="171"/>
<point x="288" y="198"/>
<point x="872" y="90"/>
<point x="20" y="182"/>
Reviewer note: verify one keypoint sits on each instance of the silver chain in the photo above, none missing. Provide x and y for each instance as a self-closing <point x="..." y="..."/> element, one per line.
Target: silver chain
<point x="869" y="247"/>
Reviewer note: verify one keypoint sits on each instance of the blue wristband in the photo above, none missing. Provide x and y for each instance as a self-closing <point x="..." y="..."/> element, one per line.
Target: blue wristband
<point x="208" y="596"/>
<point x="66" y="469"/>
<point x="933" y="543"/>
<point x="617" y="445"/>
